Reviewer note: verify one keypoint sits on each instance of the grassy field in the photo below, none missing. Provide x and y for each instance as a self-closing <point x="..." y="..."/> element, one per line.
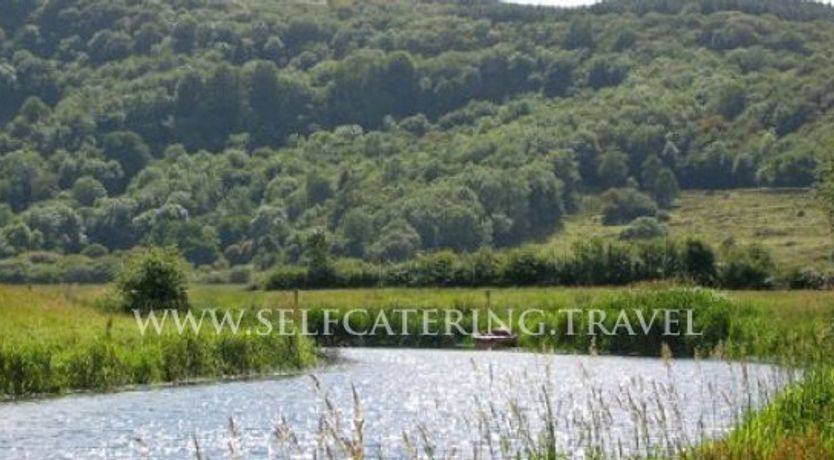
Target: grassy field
<point x="788" y="222"/>
<point x="60" y="338"/>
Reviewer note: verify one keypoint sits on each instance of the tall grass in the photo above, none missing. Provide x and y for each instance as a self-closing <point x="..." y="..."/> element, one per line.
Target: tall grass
<point x="53" y="341"/>
<point x="727" y="325"/>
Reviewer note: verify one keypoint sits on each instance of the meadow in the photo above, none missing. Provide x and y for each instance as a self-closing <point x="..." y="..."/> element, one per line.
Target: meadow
<point x="789" y="223"/>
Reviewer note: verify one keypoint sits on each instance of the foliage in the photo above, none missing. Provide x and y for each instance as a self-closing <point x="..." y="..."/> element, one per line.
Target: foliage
<point x="750" y="267"/>
<point x="620" y="206"/>
<point x="232" y="131"/>
<point x="593" y="262"/>
<point x="644" y="228"/>
<point x="153" y="279"/>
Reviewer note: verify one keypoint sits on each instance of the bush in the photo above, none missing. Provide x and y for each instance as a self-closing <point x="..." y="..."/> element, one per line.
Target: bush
<point x="153" y="279"/>
<point x="643" y="228"/>
<point x="624" y="205"/>
<point x="240" y="275"/>
<point x="805" y="278"/>
<point x="523" y="267"/>
<point x="287" y="277"/>
<point x="748" y="267"/>
<point x="699" y="262"/>
<point x="94" y="251"/>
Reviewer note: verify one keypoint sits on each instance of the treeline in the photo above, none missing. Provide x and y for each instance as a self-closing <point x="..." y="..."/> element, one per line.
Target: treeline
<point x="591" y="263"/>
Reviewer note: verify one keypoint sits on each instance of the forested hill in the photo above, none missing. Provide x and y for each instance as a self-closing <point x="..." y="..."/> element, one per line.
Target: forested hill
<point x="233" y="129"/>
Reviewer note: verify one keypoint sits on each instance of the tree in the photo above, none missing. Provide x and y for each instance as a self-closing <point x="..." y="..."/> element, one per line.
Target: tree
<point x="266" y="103"/>
<point x="613" y="168"/>
<point x="730" y="100"/>
<point x="24" y="179"/>
<point x="87" y="190"/>
<point x="317" y="252"/>
<point x="129" y="150"/>
<point x="188" y="109"/>
<point x="604" y="72"/>
<point x="62" y="228"/>
<point x="20" y="237"/>
<point x="580" y="33"/>
<point x="699" y="262"/>
<point x="269" y="228"/>
<point x="545" y="202"/>
<point x="666" y="188"/>
<point x="650" y="170"/>
<point x="357" y="229"/>
<point x="222" y="105"/>
<point x="624" y="205"/>
<point x="184" y="35"/>
<point x="317" y="188"/>
<point x="397" y="241"/>
<point x="559" y="76"/>
<point x="112" y="223"/>
<point x="153" y="279"/>
<point x="198" y="243"/>
<point x="9" y="87"/>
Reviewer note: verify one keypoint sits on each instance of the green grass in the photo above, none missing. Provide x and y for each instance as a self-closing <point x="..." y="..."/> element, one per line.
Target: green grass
<point x="788" y="222"/>
<point x="796" y="425"/>
<point x="57" y="339"/>
<point x="764" y="323"/>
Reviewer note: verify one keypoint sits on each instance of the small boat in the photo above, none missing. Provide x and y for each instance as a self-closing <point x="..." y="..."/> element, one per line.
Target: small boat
<point x="496" y="338"/>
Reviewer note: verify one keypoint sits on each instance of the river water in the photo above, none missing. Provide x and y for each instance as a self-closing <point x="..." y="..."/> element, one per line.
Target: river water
<point x="465" y="402"/>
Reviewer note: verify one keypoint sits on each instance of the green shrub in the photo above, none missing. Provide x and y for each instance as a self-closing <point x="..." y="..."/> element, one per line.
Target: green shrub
<point x="153" y="279"/>
<point x="699" y="262"/>
<point x="240" y="275"/>
<point x="748" y="267"/>
<point x="94" y="251"/>
<point x="287" y="277"/>
<point x="525" y="267"/>
<point x="805" y="278"/>
<point x="624" y="205"/>
<point x="643" y="228"/>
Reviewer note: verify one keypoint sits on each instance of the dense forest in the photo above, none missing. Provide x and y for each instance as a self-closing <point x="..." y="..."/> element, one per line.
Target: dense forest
<point x="246" y="132"/>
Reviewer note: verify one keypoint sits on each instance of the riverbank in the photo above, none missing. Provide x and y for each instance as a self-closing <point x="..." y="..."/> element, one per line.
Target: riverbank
<point x="60" y="339"/>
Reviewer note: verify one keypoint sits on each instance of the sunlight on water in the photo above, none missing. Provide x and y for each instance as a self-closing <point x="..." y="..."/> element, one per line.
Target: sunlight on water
<point x="463" y="399"/>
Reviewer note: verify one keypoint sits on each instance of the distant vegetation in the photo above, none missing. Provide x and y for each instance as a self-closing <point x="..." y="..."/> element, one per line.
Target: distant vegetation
<point x="235" y="130"/>
<point x="593" y="262"/>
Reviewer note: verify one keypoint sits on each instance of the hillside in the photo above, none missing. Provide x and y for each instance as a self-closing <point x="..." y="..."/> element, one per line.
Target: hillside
<point x="789" y="223"/>
<point x="235" y="130"/>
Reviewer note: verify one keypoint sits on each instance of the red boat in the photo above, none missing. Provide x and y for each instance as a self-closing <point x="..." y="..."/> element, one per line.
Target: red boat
<point x="496" y="338"/>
